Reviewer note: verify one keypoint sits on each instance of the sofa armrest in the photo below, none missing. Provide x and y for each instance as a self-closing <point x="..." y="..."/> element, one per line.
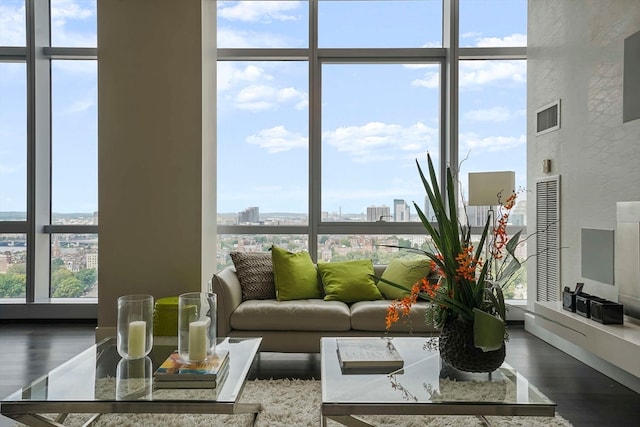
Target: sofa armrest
<point x="226" y="285"/>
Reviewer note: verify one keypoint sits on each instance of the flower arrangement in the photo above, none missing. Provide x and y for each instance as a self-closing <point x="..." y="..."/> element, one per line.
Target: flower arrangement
<point x="467" y="286"/>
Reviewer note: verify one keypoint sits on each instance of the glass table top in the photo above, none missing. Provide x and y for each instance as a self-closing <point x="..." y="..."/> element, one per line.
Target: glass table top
<point x="98" y="374"/>
<point x="424" y="379"/>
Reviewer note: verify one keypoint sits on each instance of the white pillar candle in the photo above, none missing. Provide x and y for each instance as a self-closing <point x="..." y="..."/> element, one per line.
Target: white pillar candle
<point x="137" y="338"/>
<point x="198" y="340"/>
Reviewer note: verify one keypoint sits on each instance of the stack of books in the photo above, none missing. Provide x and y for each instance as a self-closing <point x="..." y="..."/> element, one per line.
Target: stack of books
<point x="368" y="356"/>
<point x="210" y="373"/>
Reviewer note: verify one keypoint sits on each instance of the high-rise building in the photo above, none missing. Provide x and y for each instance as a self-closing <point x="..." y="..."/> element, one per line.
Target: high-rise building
<point x="4" y="263"/>
<point x="378" y="213"/>
<point x="428" y="210"/>
<point x="250" y="215"/>
<point x="519" y="214"/>
<point x="92" y="261"/>
<point x="401" y="211"/>
<point x="477" y="215"/>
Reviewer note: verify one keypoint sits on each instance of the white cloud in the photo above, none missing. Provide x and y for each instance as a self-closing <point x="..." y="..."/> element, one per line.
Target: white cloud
<point x="12" y="25"/>
<point x="69" y="9"/>
<point x="63" y="11"/>
<point x="230" y="75"/>
<point x="304" y="103"/>
<point x="262" y="97"/>
<point x="376" y="141"/>
<point x="432" y="44"/>
<point x="77" y="67"/>
<point x="262" y="11"/>
<point x="258" y="95"/>
<point x="288" y="93"/>
<point x="254" y="92"/>
<point x="83" y="104"/>
<point x="495" y="114"/>
<point x="475" y="73"/>
<point x="227" y="38"/>
<point x="507" y="41"/>
<point x="472" y="142"/>
<point x="431" y="80"/>
<point x="277" y="139"/>
<point x="470" y="34"/>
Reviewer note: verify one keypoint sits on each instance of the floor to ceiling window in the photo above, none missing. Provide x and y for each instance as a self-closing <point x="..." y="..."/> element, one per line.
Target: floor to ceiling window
<point x="324" y="107"/>
<point x="48" y="152"/>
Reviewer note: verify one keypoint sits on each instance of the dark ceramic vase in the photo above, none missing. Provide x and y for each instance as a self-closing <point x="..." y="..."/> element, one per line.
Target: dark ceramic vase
<point x="457" y="348"/>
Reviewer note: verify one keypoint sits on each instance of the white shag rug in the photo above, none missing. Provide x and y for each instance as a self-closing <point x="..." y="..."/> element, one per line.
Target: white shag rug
<point x="297" y="403"/>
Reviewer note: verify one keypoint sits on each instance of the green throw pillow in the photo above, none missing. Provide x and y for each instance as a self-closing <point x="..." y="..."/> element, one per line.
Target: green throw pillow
<point x="349" y="281"/>
<point x="403" y="272"/>
<point x="294" y="274"/>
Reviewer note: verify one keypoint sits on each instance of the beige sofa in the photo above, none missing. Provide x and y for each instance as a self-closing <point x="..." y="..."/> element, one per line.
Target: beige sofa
<point x="297" y="326"/>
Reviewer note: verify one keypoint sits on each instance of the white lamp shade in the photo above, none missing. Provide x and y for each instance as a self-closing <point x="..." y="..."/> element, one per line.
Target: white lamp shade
<point x="490" y="188"/>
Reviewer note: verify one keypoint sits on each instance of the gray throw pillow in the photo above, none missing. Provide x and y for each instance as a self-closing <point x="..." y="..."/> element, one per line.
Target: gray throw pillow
<point x="255" y="272"/>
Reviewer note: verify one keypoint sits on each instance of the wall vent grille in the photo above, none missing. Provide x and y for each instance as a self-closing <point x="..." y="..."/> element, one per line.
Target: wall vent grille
<point x="548" y="118"/>
<point x="548" y="239"/>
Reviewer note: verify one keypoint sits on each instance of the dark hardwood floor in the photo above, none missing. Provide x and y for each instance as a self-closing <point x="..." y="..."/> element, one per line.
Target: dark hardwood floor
<point x="584" y="396"/>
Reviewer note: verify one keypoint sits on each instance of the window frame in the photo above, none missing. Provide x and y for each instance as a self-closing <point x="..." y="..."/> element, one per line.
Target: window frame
<point x="38" y="55"/>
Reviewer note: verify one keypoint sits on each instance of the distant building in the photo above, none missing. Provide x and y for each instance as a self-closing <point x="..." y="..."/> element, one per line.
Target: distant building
<point x="378" y="213"/>
<point x="92" y="261"/>
<point x="428" y="210"/>
<point x="250" y="215"/>
<point x="401" y="211"/>
<point x="519" y="214"/>
<point x="4" y="263"/>
<point x="477" y="215"/>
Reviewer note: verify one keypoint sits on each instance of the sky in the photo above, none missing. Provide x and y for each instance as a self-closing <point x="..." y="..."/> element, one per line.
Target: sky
<point x="377" y="119"/>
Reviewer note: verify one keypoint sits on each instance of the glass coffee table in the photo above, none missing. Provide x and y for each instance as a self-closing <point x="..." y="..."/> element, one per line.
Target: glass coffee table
<point x="98" y="381"/>
<point x="425" y="386"/>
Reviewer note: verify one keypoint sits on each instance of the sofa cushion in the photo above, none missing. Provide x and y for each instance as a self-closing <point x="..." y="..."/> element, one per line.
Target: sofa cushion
<point x="349" y="281"/>
<point x="370" y="316"/>
<point x="403" y="272"/>
<point x="255" y="273"/>
<point x="297" y="315"/>
<point x="294" y="274"/>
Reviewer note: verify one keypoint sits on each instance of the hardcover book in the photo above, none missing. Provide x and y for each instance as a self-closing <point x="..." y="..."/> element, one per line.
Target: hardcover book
<point x="368" y="356"/>
<point x="195" y="383"/>
<point x="174" y="369"/>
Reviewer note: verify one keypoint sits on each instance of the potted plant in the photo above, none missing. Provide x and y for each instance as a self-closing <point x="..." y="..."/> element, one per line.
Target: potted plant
<point x="466" y="297"/>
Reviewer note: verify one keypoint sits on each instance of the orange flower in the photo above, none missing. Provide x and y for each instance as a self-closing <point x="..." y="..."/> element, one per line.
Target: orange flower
<point x="429" y="288"/>
<point x="392" y="316"/>
<point x="436" y="268"/>
<point x="467" y="264"/>
<point x="403" y="306"/>
<point x="500" y="237"/>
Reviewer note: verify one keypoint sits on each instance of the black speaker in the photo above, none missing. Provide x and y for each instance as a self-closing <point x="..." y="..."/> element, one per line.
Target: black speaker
<point x="583" y="304"/>
<point x="606" y="312"/>
<point x="569" y="301"/>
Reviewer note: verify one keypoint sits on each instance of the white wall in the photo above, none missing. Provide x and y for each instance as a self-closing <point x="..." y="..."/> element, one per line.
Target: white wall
<point x="575" y="53"/>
